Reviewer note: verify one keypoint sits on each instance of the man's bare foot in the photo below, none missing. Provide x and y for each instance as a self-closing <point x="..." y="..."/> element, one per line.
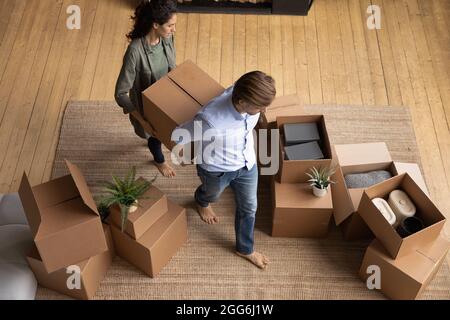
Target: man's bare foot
<point x="207" y="214"/>
<point x="165" y="169"/>
<point x="258" y="259"/>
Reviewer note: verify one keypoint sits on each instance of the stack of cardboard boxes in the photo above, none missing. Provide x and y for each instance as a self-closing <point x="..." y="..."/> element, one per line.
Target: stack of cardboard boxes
<point x="73" y="250"/>
<point x="152" y="234"/>
<point x="296" y="211"/>
<point x="406" y="264"/>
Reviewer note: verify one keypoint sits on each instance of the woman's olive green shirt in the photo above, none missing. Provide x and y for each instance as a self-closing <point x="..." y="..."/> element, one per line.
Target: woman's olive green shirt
<point x="142" y="66"/>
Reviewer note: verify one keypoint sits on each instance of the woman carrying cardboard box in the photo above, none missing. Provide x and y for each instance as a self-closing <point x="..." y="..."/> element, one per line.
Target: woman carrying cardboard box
<point x="149" y="56"/>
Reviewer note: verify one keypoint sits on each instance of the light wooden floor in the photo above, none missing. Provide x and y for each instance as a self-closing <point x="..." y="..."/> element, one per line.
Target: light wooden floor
<point x="328" y="57"/>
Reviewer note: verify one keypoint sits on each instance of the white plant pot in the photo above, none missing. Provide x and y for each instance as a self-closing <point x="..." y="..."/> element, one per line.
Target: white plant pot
<point x="133" y="207"/>
<point x="319" y="192"/>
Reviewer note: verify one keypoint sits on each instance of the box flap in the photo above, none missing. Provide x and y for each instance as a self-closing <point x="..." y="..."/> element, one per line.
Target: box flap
<point x="414" y="172"/>
<point x="197" y="83"/>
<point x="362" y="153"/>
<point x="342" y="203"/>
<point x="29" y="204"/>
<point x="82" y="186"/>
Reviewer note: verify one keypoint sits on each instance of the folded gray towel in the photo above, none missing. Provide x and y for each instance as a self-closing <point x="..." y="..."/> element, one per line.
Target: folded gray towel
<point x="366" y="179"/>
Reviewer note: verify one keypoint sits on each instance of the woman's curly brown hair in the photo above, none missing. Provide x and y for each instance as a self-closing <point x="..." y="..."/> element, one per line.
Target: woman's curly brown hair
<point x="149" y="12"/>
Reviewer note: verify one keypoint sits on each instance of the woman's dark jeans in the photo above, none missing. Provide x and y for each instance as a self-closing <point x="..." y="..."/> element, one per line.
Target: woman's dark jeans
<point x="155" y="148"/>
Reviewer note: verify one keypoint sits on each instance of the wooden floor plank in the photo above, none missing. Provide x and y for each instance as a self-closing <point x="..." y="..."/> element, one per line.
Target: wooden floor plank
<point x="301" y="59"/>
<point x="192" y="37"/>
<point x="204" y="32"/>
<point x="340" y="76"/>
<point x="6" y="10"/>
<point x="11" y="35"/>
<point x="40" y="110"/>
<point x="22" y="126"/>
<point x="263" y="55"/>
<point x="215" y="47"/>
<point x="276" y="53"/>
<point x="287" y="44"/>
<point x="388" y="63"/>
<point x="13" y="63"/>
<point x="14" y="123"/>
<point x="373" y="52"/>
<point x="239" y="46"/>
<point x="95" y="41"/>
<point x="426" y="70"/>
<point x="312" y="55"/>
<point x="63" y="53"/>
<point x="326" y="64"/>
<point x="251" y="43"/>
<point x="362" y="58"/>
<point x="103" y="61"/>
<point x="420" y="112"/>
<point x="353" y="83"/>
<point x="226" y="67"/>
<point x="180" y="36"/>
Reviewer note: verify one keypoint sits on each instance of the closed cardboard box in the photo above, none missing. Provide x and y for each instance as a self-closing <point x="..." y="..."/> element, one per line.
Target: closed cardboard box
<point x="176" y="98"/>
<point x="66" y="281"/>
<point x="154" y="249"/>
<point x="294" y="171"/>
<point x="395" y="245"/>
<point x="404" y="278"/>
<point x="360" y="158"/>
<point x="150" y="208"/>
<point x="63" y="219"/>
<point x="298" y="213"/>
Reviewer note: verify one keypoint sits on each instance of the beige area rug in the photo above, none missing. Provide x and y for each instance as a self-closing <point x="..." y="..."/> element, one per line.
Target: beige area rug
<point x="99" y="139"/>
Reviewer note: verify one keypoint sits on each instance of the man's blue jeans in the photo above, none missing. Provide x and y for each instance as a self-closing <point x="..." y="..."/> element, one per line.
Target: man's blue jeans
<point x="244" y="183"/>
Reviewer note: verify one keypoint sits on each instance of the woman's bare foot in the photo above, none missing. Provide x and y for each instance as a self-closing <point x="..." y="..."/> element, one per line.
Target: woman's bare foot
<point x="258" y="259"/>
<point x="165" y="169"/>
<point x="207" y="214"/>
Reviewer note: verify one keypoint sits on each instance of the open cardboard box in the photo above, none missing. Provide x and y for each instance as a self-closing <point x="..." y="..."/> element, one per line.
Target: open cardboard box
<point x="150" y="208"/>
<point x="63" y="219"/>
<point x="176" y="98"/>
<point x="395" y="245"/>
<point x="359" y="158"/>
<point x="293" y="171"/>
<point x="298" y="213"/>
<point x="281" y="107"/>
<point x="405" y="278"/>
<point x="154" y="249"/>
<point x="92" y="271"/>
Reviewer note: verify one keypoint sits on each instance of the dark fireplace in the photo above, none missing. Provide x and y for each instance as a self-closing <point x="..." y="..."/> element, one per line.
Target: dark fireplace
<point x="289" y="7"/>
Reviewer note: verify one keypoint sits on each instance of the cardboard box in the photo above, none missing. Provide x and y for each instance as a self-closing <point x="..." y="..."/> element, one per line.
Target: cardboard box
<point x="92" y="271"/>
<point x="397" y="246"/>
<point x="358" y="158"/>
<point x="281" y="107"/>
<point x="298" y="213"/>
<point x="407" y="277"/>
<point x="151" y="207"/>
<point x="176" y="98"/>
<point x="293" y="171"/>
<point x="63" y="219"/>
<point x="151" y="252"/>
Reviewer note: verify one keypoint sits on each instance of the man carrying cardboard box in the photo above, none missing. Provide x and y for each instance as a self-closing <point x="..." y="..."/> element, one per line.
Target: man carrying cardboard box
<point x="226" y="155"/>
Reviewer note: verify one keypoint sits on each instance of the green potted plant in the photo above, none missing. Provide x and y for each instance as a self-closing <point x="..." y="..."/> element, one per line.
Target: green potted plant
<point x="320" y="180"/>
<point x="125" y="193"/>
